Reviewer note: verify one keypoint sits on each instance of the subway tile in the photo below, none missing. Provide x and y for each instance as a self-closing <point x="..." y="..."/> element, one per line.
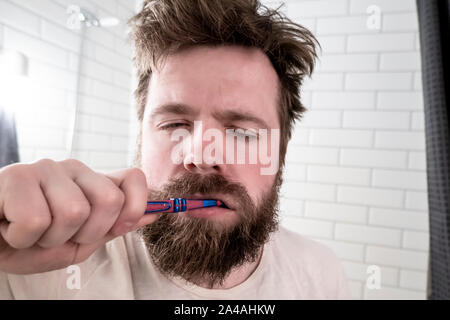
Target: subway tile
<point x="370" y="196"/>
<point x="400" y="140"/>
<point x="309" y="227"/>
<point x="317" y="8"/>
<point x="346" y="100"/>
<point x="400" y="61"/>
<point x="408" y="180"/>
<point x="376" y="120"/>
<point x="416" y="200"/>
<point x="18" y="18"/>
<point x="378" y="81"/>
<point x="381" y="42"/>
<point x="344" y="249"/>
<point x="316" y="155"/>
<point x="33" y="47"/>
<point x="360" y="6"/>
<point x="335" y="212"/>
<point x="348" y="62"/>
<point x="410" y="100"/>
<point x="402" y="219"/>
<point x="338" y="175"/>
<point x="416" y="240"/>
<point x="341" y="138"/>
<point x="366" y="234"/>
<point x="373" y="158"/>
<point x="308" y="191"/>
<point x="417" y="160"/>
<point x="397" y="257"/>
<point x="415" y="280"/>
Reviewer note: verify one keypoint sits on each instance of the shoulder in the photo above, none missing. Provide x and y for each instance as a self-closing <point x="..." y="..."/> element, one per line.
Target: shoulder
<point x="301" y="248"/>
<point x="310" y="263"/>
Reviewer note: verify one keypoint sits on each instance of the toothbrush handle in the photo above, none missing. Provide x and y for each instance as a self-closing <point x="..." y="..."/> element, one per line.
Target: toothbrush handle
<point x="172" y="205"/>
<point x="158" y="206"/>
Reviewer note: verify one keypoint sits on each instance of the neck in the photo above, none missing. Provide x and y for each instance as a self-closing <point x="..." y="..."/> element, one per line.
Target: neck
<point x="237" y="275"/>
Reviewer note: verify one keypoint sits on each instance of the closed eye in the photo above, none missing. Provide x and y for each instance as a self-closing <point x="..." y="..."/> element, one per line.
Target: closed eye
<point x="251" y="134"/>
<point x="173" y="125"/>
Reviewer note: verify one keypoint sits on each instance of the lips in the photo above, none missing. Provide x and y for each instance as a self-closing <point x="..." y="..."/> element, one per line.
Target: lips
<point x="223" y="205"/>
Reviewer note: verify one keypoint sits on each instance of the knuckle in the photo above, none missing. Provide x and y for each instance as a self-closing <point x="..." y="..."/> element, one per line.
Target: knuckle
<point x="114" y="198"/>
<point x="76" y="213"/>
<point x="136" y="174"/>
<point x="45" y="163"/>
<point x="18" y="171"/>
<point x="38" y="223"/>
<point x="72" y="163"/>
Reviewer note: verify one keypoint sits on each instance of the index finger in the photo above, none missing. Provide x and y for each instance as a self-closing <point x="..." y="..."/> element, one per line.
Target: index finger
<point x="133" y="184"/>
<point x="26" y="212"/>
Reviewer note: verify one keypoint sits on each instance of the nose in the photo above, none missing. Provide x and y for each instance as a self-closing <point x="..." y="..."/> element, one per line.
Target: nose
<point x="200" y="167"/>
<point x="198" y="157"/>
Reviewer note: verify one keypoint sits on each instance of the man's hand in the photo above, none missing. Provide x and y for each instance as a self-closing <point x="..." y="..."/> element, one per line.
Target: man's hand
<point x="54" y="214"/>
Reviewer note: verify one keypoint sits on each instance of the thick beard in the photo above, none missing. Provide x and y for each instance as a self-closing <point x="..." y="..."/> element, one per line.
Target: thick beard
<point x="202" y="251"/>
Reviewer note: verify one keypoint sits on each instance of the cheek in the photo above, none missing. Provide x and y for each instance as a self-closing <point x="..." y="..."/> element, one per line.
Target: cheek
<point x="156" y="163"/>
<point x="256" y="183"/>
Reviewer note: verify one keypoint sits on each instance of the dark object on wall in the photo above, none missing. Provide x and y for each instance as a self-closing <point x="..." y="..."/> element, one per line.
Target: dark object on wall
<point x="9" y="152"/>
<point x="434" y="41"/>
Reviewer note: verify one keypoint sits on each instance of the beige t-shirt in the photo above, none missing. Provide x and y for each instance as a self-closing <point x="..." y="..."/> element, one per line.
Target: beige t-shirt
<point x="291" y="267"/>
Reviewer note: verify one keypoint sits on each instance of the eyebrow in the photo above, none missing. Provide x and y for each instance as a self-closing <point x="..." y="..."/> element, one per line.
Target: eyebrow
<point x="224" y="116"/>
<point x="231" y="116"/>
<point x="173" y="108"/>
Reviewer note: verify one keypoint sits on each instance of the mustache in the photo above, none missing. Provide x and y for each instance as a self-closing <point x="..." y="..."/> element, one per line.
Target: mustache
<point x="190" y="184"/>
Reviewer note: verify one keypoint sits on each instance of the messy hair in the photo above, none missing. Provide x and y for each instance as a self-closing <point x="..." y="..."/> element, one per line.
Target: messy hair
<point x="164" y="27"/>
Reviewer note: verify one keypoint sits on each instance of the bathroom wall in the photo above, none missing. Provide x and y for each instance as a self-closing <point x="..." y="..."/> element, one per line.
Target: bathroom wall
<point x="44" y="100"/>
<point x="356" y="177"/>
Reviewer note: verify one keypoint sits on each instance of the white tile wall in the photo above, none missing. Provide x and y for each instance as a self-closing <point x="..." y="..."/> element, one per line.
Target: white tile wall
<point x="381" y="42"/>
<point x="355" y="166"/>
<point x="336" y="212"/>
<point x="362" y="145"/>
<point x="38" y="30"/>
<point x="343" y="100"/>
<point x="411" y="100"/>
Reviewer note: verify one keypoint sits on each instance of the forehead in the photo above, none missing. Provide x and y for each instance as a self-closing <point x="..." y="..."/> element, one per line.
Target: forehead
<point x="214" y="78"/>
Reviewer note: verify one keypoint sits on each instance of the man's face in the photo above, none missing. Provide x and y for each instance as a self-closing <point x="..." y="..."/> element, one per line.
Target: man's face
<point x="219" y="88"/>
<point x="216" y="86"/>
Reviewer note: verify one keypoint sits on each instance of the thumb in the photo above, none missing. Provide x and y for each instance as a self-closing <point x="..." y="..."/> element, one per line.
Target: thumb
<point x="145" y="220"/>
<point x="84" y="251"/>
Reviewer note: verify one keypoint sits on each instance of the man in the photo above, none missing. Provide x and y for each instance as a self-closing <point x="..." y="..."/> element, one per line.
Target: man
<point x="227" y="70"/>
